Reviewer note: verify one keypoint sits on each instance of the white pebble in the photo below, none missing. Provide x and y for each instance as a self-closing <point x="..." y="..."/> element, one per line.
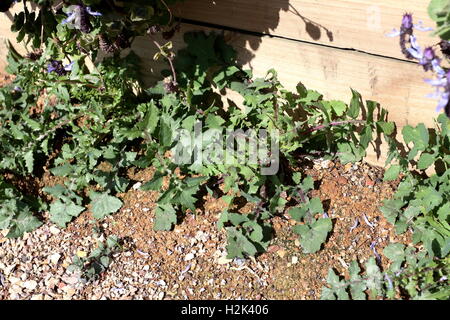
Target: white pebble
<point x="189" y="256"/>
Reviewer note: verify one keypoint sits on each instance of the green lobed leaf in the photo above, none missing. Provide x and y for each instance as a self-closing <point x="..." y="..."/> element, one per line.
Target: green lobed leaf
<point x="104" y="204"/>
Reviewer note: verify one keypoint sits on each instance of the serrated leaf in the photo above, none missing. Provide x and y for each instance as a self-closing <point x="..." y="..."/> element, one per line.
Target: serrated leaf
<point x="155" y="183"/>
<point x="338" y="287"/>
<point x="29" y="160"/>
<point x="395" y="252"/>
<point x="315" y="206"/>
<point x="239" y="245"/>
<point x="222" y="220"/>
<point x="24" y="222"/>
<point x="444" y="214"/>
<point x="425" y="160"/>
<point x="237" y="218"/>
<point x="256" y="235"/>
<point x="62" y="171"/>
<point x="62" y="213"/>
<point x="386" y="127"/>
<point x="374" y="280"/>
<point x="104" y="204"/>
<point x="357" y="286"/>
<point x="56" y="191"/>
<point x="151" y="118"/>
<point x="339" y="107"/>
<point x="355" y="105"/>
<point x="313" y="239"/>
<point x="392" y="173"/>
<point x="165" y="217"/>
<point x="214" y="122"/>
<point x="298" y="213"/>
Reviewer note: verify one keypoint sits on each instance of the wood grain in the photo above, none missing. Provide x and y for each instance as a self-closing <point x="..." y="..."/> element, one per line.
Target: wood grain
<point x="357" y="24"/>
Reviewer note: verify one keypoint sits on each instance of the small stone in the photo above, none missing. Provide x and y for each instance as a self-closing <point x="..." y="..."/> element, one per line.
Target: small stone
<point x="30" y="285"/>
<point x="81" y="254"/>
<point x="70" y="280"/>
<point x="325" y="164"/>
<point x="342" y="180"/>
<point x="161" y="283"/>
<point x="137" y="185"/>
<point x="70" y="291"/>
<point x="52" y="283"/>
<point x="14" y="280"/>
<point x="273" y="248"/>
<point x="54" y="230"/>
<point x="297" y="242"/>
<point x="369" y="182"/>
<point x="294" y="260"/>
<point x="189" y="256"/>
<point x="37" y="297"/>
<point x="54" y="258"/>
<point x="224" y="260"/>
<point x="15" y="289"/>
<point x="281" y="253"/>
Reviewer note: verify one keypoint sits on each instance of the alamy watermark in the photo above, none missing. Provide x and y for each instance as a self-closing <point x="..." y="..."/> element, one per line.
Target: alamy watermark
<point x="227" y="147"/>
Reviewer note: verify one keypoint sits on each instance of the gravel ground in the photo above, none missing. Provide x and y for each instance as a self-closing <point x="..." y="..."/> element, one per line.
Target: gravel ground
<point x="190" y="261"/>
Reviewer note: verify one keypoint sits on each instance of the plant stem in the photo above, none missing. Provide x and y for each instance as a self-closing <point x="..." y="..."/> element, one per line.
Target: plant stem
<point x="333" y="124"/>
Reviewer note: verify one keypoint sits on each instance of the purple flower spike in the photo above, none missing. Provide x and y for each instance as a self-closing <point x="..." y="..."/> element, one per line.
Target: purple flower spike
<point x="407" y="21"/>
<point x="442" y="84"/>
<point x="78" y="17"/>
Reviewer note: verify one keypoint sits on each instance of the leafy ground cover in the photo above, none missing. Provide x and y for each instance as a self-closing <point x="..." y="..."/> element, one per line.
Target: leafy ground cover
<point x="82" y="139"/>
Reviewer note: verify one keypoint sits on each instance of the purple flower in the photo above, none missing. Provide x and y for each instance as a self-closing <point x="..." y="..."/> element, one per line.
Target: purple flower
<point x="406" y="33"/>
<point x="407" y="27"/>
<point x="427" y="58"/>
<point x="442" y="84"/>
<point x="78" y="17"/>
<point x="57" y="66"/>
<point x="389" y="280"/>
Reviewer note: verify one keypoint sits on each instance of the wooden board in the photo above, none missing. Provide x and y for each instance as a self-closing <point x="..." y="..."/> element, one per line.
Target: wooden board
<point x="6" y="34"/>
<point x="397" y="85"/>
<point x="357" y="24"/>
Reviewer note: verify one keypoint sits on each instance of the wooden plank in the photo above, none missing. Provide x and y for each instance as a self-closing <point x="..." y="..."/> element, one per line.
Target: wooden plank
<point x="397" y="85"/>
<point x="357" y="24"/>
<point x="6" y="34"/>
